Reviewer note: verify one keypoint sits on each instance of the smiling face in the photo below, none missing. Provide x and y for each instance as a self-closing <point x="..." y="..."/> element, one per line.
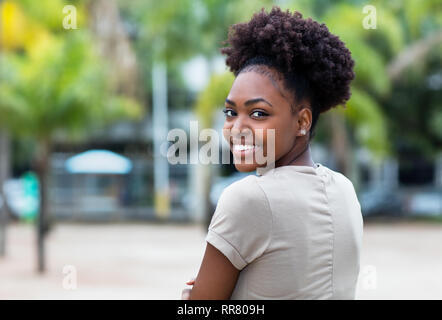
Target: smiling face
<point x="255" y="104"/>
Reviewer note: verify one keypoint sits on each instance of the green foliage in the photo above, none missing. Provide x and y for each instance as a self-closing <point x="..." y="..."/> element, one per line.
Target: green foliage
<point x="62" y="86"/>
<point x="369" y="122"/>
<point x="49" y="13"/>
<point x="370" y="66"/>
<point x="436" y="121"/>
<point x="213" y="97"/>
<point x="175" y="31"/>
<point x="414" y="107"/>
<point x="167" y="29"/>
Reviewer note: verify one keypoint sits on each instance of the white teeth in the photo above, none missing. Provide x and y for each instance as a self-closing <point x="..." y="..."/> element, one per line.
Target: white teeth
<point x="240" y="147"/>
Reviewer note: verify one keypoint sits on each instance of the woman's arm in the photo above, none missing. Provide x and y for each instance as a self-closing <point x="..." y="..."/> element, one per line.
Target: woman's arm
<point x="216" y="278"/>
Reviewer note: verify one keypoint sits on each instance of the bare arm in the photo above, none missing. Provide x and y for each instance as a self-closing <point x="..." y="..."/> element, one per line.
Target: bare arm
<point x="216" y="278"/>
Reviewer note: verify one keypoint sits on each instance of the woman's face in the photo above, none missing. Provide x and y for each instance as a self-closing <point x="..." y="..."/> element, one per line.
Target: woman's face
<point x="256" y="102"/>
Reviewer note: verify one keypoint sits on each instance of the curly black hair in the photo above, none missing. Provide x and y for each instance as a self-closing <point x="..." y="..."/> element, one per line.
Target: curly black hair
<point x="314" y="63"/>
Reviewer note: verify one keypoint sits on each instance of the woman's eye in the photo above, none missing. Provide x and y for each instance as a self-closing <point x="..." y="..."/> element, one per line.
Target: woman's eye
<point x="255" y="114"/>
<point x="228" y="112"/>
<point x="259" y="114"/>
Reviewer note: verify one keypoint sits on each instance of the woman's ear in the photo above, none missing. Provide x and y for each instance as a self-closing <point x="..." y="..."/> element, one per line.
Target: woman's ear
<point x="304" y="121"/>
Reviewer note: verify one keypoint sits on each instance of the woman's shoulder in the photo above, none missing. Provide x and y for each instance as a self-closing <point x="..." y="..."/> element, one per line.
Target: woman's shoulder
<point x="245" y="195"/>
<point x="339" y="177"/>
<point x="244" y="188"/>
<point x="343" y="185"/>
<point x="241" y="226"/>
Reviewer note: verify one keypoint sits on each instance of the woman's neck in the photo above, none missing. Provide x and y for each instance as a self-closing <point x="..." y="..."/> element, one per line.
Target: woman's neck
<point x="298" y="156"/>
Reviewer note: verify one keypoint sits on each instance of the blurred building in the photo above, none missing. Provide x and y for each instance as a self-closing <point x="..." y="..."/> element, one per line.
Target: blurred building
<point x="124" y="196"/>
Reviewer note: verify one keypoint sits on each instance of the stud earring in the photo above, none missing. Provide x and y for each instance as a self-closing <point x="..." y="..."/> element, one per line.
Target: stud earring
<point x="302" y="131"/>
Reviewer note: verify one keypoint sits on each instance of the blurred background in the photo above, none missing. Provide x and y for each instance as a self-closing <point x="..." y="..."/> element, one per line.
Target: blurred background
<point x="90" y="207"/>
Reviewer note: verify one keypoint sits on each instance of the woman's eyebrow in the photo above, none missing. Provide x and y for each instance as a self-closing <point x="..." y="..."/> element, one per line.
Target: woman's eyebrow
<point x="230" y="102"/>
<point x="249" y="102"/>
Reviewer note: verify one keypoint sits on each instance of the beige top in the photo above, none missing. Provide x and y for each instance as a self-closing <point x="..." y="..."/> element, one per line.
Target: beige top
<point x="295" y="232"/>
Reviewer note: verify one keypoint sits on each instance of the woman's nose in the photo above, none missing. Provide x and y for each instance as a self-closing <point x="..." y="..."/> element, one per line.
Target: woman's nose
<point x="240" y="123"/>
<point x="241" y="131"/>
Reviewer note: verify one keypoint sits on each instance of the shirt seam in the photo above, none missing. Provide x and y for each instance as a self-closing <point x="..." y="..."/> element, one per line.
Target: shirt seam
<point x="333" y="238"/>
<point x="271" y="228"/>
<point x="271" y="215"/>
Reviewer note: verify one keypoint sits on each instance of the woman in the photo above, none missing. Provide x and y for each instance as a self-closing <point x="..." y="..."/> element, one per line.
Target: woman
<point x="293" y="231"/>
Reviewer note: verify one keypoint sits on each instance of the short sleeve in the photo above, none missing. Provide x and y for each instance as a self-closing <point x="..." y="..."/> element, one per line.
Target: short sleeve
<point x="242" y="223"/>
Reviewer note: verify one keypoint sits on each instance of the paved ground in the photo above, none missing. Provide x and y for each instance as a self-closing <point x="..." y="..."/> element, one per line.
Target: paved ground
<point x="150" y="261"/>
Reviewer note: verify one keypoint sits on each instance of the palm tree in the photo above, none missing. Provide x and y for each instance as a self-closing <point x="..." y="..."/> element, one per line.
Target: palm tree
<point x="59" y="87"/>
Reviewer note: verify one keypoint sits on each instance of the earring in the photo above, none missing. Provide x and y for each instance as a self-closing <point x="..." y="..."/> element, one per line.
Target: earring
<point x="303" y="131"/>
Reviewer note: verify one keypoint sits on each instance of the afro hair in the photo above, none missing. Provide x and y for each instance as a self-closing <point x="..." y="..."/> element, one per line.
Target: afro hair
<point x="313" y="62"/>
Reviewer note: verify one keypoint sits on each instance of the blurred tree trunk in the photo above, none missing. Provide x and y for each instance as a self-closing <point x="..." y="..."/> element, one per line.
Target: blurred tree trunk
<point x="413" y="54"/>
<point x="42" y="167"/>
<point x="4" y="175"/>
<point x="114" y="44"/>
<point x="160" y="128"/>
